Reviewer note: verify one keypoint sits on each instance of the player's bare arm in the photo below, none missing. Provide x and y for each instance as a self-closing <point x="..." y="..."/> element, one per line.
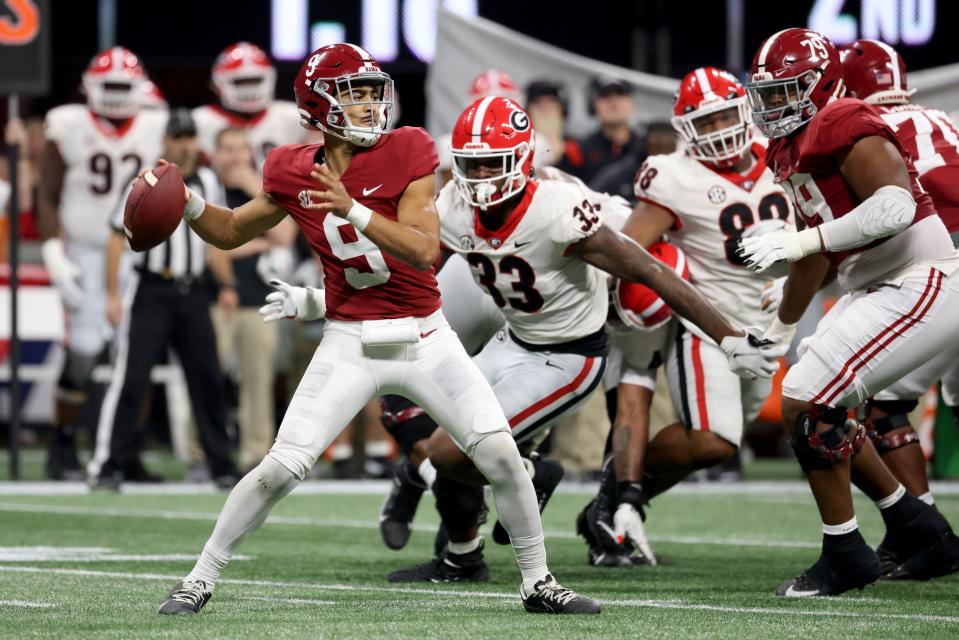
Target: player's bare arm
<point x="806" y="277"/>
<point x="631" y="431"/>
<point x="648" y="223"/>
<point x="873" y="163"/>
<point x="52" y="169"/>
<point x="622" y="257"/>
<point x="229" y="228"/>
<point x="414" y="237"/>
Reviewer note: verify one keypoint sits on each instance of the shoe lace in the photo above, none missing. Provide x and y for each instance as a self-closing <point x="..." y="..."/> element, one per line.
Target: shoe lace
<point x="191" y="593"/>
<point x="555" y="592"/>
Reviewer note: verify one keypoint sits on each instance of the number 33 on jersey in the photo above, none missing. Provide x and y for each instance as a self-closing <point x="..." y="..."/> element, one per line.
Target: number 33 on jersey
<point x="525" y="266"/>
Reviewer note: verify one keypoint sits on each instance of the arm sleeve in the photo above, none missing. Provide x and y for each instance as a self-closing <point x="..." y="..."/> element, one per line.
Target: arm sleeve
<point x="57" y="126"/>
<point x="654" y="184"/>
<point x="421" y="155"/>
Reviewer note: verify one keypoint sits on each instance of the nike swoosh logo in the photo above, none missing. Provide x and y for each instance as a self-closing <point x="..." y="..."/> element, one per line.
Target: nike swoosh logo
<point x="367" y="192"/>
<point x="423" y="336"/>
<point x="550" y="363"/>
<point x="793" y="592"/>
<point x="522" y="244"/>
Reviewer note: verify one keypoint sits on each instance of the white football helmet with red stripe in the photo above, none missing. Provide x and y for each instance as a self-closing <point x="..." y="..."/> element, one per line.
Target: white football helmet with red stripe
<point x="875" y="73"/>
<point x="492" y="147"/>
<point x="702" y="94"/>
<point x="494" y="82"/>
<point x="244" y="78"/>
<point x="113" y="83"/>
<point x="638" y="306"/>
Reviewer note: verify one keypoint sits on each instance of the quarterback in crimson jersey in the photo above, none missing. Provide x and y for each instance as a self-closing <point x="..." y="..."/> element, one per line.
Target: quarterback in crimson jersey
<point x="876" y="73"/>
<point x="92" y="152"/>
<point x="386" y="333"/>
<point x="866" y="214"/>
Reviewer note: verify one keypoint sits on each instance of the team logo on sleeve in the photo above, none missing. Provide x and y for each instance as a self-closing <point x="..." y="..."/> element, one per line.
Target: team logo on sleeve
<point x="304" y="197"/>
<point x="716" y="194"/>
<point x="467" y="243"/>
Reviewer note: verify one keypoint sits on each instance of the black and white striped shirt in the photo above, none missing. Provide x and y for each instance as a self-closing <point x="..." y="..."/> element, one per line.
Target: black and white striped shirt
<point x="183" y="255"/>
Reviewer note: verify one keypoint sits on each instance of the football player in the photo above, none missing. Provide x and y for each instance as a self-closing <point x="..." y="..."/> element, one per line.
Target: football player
<point x="244" y="80"/>
<point x="92" y="152"/>
<point x="875" y="73"/>
<point x="365" y="201"/>
<point x="703" y="198"/>
<point x="537" y="248"/>
<point x="858" y="193"/>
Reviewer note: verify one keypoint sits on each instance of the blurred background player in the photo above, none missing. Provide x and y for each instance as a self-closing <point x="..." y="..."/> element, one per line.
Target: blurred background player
<point x="165" y="307"/>
<point x="244" y="81"/>
<point x="702" y="198"/>
<point x="92" y="153"/>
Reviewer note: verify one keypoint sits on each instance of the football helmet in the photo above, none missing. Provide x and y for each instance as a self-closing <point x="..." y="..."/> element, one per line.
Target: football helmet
<point x="325" y="86"/>
<point x="113" y="83"/>
<point x="244" y="78"/>
<point x="638" y="306"/>
<point x="494" y="82"/>
<point x="492" y="131"/>
<point x="151" y="97"/>
<point x="874" y="72"/>
<point x="702" y="93"/>
<point x="795" y="73"/>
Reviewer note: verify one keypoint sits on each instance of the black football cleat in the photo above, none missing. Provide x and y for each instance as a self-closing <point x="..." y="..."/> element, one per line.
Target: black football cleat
<point x="62" y="462"/>
<point x="448" y="567"/>
<point x="399" y="508"/>
<point x="546" y="477"/>
<point x="925" y="549"/>
<point x="830" y="577"/>
<point x="549" y="596"/>
<point x="186" y="599"/>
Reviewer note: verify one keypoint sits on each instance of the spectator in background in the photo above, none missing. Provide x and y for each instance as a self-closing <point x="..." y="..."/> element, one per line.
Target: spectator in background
<point x="548" y="106"/>
<point x="618" y="177"/>
<point x="240" y="330"/>
<point x="610" y="100"/>
<point x="165" y="306"/>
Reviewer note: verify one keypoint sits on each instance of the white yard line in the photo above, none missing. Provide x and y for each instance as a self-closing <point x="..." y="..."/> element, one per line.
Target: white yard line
<point x="367" y="524"/>
<point x="27" y="604"/>
<point x="641" y="603"/>
<point x="305" y="601"/>
<point x="771" y="489"/>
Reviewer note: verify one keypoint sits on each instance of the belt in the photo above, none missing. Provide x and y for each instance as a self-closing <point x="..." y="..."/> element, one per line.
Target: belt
<point x="184" y="283"/>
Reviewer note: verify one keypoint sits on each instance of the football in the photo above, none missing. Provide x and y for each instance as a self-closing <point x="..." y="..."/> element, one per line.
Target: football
<point x="154" y="207"/>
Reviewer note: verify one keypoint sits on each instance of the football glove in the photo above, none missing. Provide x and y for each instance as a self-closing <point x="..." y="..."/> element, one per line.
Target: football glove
<point x="762" y="252"/>
<point x="751" y="358"/>
<point x="302" y="303"/>
<point x="772" y="295"/>
<point x="64" y="273"/>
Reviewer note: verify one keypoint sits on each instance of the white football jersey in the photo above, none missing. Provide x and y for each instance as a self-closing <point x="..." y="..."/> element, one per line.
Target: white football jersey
<point x="279" y="124"/>
<point x="100" y="162"/>
<point x="547" y="295"/>
<point x="711" y="211"/>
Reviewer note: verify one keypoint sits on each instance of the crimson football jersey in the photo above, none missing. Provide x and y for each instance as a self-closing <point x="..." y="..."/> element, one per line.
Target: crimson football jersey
<point x="362" y="282"/>
<point x="807" y="165"/>
<point x="933" y="143"/>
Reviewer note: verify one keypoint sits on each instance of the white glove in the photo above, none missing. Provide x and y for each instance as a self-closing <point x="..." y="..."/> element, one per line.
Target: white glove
<point x="772" y="295"/>
<point x="629" y="526"/>
<point x="762" y="252"/>
<point x="780" y="332"/>
<point x="275" y="263"/>
<point x="64" y="273"/>
<point x="302" y="303"/>
<point x="752" y="358"/>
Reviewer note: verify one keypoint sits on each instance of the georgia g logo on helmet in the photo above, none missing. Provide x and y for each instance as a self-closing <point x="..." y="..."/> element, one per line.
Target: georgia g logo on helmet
<point x="519" y="120"/>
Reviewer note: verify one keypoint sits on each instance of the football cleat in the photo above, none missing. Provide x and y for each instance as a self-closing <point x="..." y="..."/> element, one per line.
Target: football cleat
<point x="927" y="548"/>
<point x="546" y="477"/>
<point x="828" y="577"/>
<point x="396" y="514"/>
<point x="186" y="599"/>
<point x="448" y="567"/>
<point x="549" y="596"/>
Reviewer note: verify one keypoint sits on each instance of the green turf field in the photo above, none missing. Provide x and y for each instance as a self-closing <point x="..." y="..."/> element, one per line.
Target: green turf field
<point x="317" y="570"/>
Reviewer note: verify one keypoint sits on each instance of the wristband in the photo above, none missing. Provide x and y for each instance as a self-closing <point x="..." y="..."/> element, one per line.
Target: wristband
<point x="781" y="331"/>
<point x="631" y="493"/>
<point x="359" y="215"/>
<point x="194" y="207"/>
<point x="810" y="241"/>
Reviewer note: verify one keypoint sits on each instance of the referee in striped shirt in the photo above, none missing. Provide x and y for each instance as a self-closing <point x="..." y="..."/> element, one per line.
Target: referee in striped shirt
<point x="165" y="306"/>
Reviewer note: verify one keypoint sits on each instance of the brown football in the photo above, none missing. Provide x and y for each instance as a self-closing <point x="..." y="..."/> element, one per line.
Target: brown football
<point x="154" y="207"/>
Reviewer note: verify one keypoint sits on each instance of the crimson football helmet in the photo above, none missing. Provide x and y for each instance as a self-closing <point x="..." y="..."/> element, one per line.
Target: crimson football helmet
<point x="325" y="87"/>
<point x="244" y="78"/>
<point x="113" y="83"/>
<point x="702" y="93"/>
<point x="638" y="306"/>
<point x="874" y="72"/>
<point x="795" y="73"/>
<point x="495" y="133"/>
<point x="494" y="82"/>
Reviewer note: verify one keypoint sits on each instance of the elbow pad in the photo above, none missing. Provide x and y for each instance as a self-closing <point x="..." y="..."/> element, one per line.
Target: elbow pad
<point x="885" y="213"/>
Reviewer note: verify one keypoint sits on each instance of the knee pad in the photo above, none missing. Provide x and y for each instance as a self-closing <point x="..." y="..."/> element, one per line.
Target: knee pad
<point x="272" y="474"/>
<point x="405" y="422"/>
<point x="75" y="376"/>
<point x="879" y="428"/>
<point x="827" y="449"/>
<point x="497" y="458"/>
<point x="459" y="505"/>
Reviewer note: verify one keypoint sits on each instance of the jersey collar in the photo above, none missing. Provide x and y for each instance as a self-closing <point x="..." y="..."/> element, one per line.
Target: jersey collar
<point x="107" y="128"/>
<point x="748" y="180"/>
<point x="497" y="239"/>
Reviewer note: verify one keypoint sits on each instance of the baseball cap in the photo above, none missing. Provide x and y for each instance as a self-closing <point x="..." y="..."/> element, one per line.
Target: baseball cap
<point x="180" y="123"/>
